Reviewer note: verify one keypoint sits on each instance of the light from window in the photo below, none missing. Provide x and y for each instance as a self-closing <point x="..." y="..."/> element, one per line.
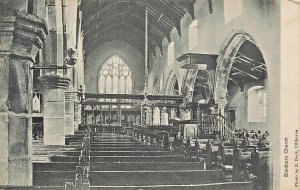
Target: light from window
<point x="193" y="35"/>
<point x="171" y="53"/>
<point x="257" y="104"/>
<point x="115" y="77"/>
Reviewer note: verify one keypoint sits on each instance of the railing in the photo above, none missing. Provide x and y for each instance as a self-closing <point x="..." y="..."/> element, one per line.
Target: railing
<point x="227" y="128"/>
<point x="216" y="124"/>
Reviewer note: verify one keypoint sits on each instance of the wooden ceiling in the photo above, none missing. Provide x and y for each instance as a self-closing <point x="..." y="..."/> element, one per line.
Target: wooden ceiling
<point x="106" y="20"/>
<point x="248" y="66"/>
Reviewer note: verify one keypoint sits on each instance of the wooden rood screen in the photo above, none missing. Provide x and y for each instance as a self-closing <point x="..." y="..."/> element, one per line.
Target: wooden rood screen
<point x="126" y="110"/>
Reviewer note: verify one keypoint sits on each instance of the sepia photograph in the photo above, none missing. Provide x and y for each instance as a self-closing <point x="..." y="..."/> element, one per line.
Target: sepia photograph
<point x="149" y="94"/>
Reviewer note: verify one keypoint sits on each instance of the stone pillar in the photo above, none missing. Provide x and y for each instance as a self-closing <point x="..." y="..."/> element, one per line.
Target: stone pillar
<point x="54" y="51"/>
<point x="54" y="108"/>
<point x="54" y="83"/>
<point x="21" y="36"/>
<point x="70" y="98"/>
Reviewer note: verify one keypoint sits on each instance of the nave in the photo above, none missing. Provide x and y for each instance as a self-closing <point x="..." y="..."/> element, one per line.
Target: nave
<point x="131" y="158"/>
<point x="140" y="93"/>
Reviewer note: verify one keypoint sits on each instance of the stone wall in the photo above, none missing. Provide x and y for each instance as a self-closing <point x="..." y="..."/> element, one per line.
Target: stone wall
<point x="133" y="58"/>
<point x="238" y="100"/>
<point x="258" y="18"/>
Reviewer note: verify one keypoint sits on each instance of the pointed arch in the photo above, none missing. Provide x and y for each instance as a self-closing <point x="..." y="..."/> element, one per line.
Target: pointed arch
<point x="172" y="87"/>
<point x="225" y="60"/>
<point x="114" y="76"/>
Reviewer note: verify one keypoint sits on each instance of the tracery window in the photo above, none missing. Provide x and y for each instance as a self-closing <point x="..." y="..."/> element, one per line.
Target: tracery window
<point x="115" y="77"/>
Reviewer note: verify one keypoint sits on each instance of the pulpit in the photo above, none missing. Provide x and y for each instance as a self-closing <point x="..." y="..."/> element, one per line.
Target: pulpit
<point x="201" y="123"/>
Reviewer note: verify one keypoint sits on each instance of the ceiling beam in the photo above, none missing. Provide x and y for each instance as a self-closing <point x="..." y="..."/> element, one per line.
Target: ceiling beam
<point x="249" y="59"/>
<point x="245" y="73"/>
<point x="155" y="36"/>
<point x="130" y="17"/>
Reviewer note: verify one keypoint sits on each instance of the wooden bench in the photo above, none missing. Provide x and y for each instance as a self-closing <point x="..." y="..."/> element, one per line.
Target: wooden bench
<point x="130" y="153"/>
<point x="211" y="186"/>
<point x="161" y="177"/>
<point x="143" y="166"/>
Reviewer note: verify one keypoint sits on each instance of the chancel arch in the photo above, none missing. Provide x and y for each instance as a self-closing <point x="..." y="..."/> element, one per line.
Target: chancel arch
<point x="115" y="76"/>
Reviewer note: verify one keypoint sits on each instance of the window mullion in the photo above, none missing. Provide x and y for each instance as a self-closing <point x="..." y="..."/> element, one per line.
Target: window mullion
<point x="105" y="84"/>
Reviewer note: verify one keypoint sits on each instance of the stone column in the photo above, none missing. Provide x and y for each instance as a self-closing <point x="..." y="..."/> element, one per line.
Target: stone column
<point x="54" y="108"/>
<point x="21" y="36"/>
<point x="54" y="83"/>
<point x="70" y="98"/>
<point x="54" y="51"/>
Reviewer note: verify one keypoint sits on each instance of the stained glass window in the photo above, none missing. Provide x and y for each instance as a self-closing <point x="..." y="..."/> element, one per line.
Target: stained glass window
<point x="115" y="77"/>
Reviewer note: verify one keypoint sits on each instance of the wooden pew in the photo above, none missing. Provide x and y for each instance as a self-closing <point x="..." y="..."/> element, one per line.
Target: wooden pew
<point x="210" y="186"/>
<point x="143" y="166"/>
<point x="159" y="177"/>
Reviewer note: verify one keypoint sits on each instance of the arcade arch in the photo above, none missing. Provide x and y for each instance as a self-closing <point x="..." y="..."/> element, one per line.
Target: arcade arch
<point x="241" y="81"/>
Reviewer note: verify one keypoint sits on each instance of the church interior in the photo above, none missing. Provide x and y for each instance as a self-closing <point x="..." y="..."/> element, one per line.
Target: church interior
<point x="138" y="94"/>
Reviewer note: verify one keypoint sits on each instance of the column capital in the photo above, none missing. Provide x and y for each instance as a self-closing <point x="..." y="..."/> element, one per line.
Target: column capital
<point x="21" y="34"/>
<point x="54" y="81"/>
<point x="71" y="96"/>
